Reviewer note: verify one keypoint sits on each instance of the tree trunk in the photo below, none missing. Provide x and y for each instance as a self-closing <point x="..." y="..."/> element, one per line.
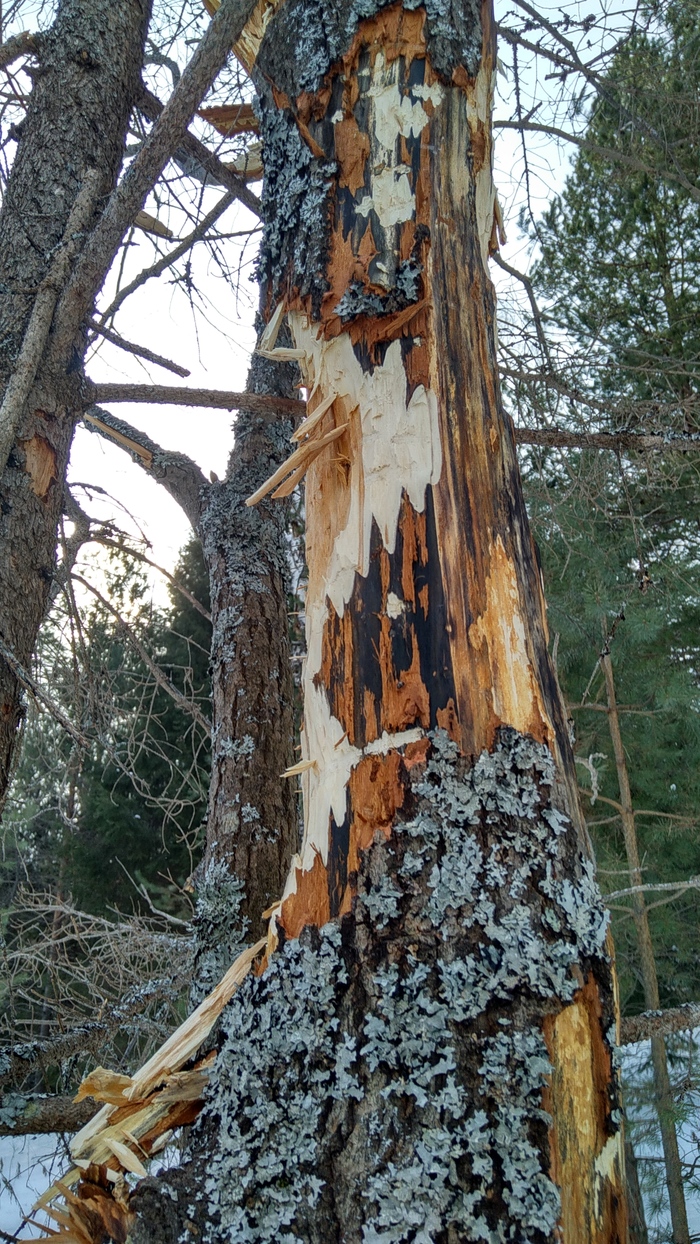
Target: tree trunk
<point x="87" y="81"/>
<point x="252" y="823"/>
<point x="662" y="1081"/>
<point x="442" y="973"/>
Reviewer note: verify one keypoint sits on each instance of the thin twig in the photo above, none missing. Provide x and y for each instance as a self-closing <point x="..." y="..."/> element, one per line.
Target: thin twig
<point x="181" y="700"/>
<point x="24" y="677"/>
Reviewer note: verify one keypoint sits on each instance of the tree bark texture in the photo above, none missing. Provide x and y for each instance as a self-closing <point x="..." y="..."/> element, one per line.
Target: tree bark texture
<point x="87" y="81"/>
<point x="252" y="822"/>
<point x="427" y="1054"/>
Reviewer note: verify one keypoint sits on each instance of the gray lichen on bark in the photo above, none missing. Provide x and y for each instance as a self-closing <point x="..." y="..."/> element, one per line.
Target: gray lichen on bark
<point x="382" y="1080"/>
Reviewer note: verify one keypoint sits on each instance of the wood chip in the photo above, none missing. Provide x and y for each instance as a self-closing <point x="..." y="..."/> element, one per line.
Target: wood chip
<point x="300" y="767"/>
<point x="313" y="420"/>
<point x="103" y="1085"/>
<point x="127" y="1158"/>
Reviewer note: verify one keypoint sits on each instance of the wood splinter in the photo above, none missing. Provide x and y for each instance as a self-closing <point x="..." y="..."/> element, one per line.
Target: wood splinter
<point x="302" y="457"/>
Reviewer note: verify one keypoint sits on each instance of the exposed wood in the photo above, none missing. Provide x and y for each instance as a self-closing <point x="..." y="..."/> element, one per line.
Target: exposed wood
<point x="151" y="224"/>
<point x="231" y="118"/>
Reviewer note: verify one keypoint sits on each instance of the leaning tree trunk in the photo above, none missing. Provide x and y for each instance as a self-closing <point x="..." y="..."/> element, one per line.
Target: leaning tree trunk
<point x="427" y="1054"/>
<point x="71" y="142"/>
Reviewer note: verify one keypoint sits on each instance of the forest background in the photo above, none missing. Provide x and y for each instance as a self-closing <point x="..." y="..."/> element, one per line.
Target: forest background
<point x="599" y="290"/>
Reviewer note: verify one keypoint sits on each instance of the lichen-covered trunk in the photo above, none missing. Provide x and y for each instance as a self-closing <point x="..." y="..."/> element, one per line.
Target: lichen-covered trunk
<point x="85" y="86"/>
<point x="427" y="1054"/>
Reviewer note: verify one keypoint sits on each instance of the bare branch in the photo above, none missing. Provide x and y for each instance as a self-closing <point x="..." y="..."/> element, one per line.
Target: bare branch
<point x="24" y="677"/>
<point x="604" y="153"/>
<point x="144" y="171"/>
<point x="179" y="587"/>
<point x="174" y="395"/>
<point x="167" y="261"/>
<point x="659" y="1023"/>
<point x="693" y="883"/>
<point x="187" y="706"/>
<point x="140" y="351"/>
<point x="212" y="167"/>
<point x="616" y="441"/>
<point x="176" y="472"/>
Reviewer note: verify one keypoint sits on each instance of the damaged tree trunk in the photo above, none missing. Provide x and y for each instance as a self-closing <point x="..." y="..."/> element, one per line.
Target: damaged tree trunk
<point x="427" y="1054"/>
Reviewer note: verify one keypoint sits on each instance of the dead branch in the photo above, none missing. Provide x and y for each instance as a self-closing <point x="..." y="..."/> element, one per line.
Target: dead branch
<point x="18" y="1060"/>
<point x="140" y="351"/>
<point x="213" y="168"/>
<point x="174" y="395"/>
<point x="41" y="1114"/>
<point x="37" y="332"/>
<point x="659" y="1023"/>
<point x="536" y="315"/>
<point x="166" y="261"/>
<point x="604" y="153"/>
<point x="31" y="685"/>
<point x="187" y="706"/>
<point x="693" y="883"/>
<point x="176" y="472"/>
<point x="141" y="176"/>
<point x="179" y="587"/>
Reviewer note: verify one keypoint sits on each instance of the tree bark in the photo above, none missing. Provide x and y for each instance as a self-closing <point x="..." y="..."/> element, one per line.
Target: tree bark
<point x="88" y="80"/>
<point x="252" y="822"/>
<point x="662" y="1081"/>
<point x="442" y="970"/>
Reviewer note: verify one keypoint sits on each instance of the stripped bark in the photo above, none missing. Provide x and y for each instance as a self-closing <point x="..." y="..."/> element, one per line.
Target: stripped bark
<point x="662" y="1082"/>
<point x="442" y="969"/>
